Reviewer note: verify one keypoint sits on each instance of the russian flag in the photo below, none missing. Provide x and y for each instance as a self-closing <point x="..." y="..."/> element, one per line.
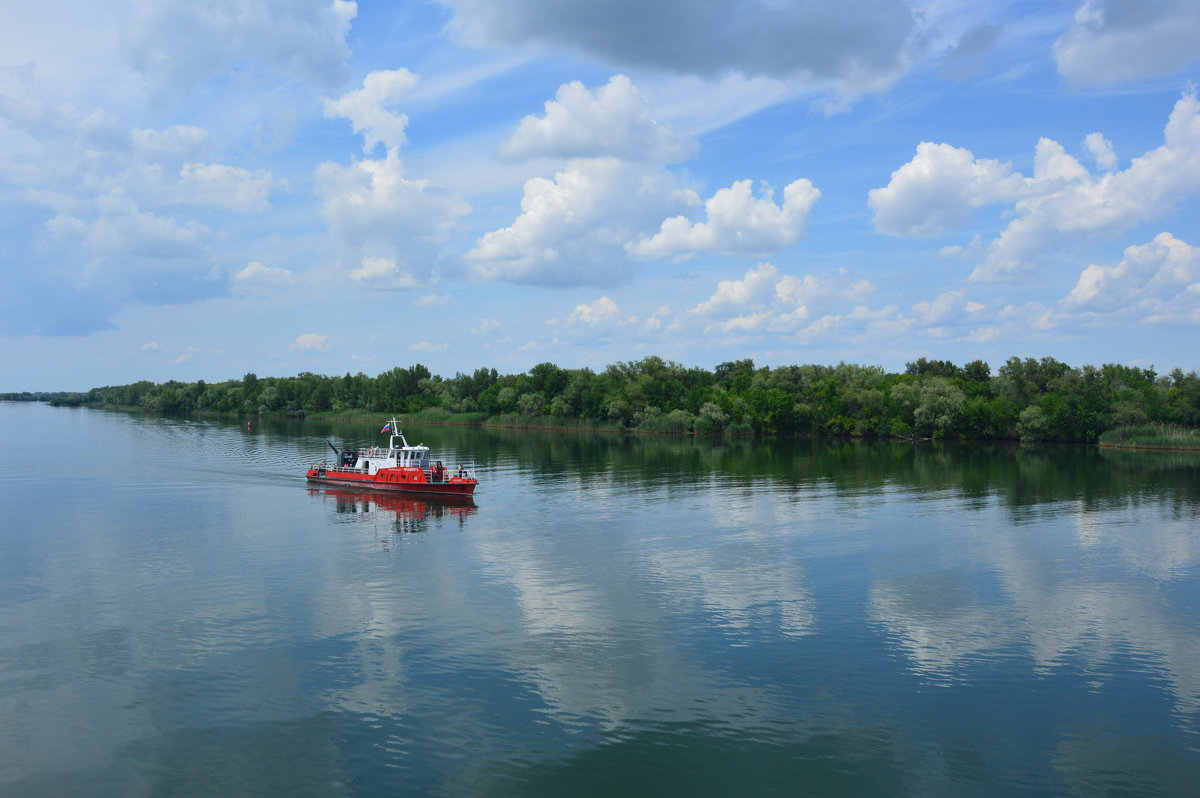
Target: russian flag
<point x="386" y="427"/>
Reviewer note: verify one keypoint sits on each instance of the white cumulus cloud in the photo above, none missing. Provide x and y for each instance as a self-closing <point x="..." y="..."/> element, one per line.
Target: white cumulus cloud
<point x="941" y="186"/>
<point x="1101" y="150"/>
<point x="392" y="224"/>
<point x="766" y="300"/>
<point x="857" y="324"/>
<point x="313" y="342"/>
<point x="949" y="309"/>
<point x="383" y="272"/>
<point x="601" y="311"/>
<point x="375" y="212"/>
<point x="368" y="108"/>
<point x="255" y="273"/>
<point x="615" y="120"/>
<point x="573" y="229"/>
<point x="938" y="189"/>
<point x="738" y="223"/>
<point x="755" y="286"/>
<point x="1066" y="200"/>
<point x="1156" y="281"/>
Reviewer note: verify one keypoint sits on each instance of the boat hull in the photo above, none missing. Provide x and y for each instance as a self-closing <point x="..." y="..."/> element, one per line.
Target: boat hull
<point x="381" y="481"/>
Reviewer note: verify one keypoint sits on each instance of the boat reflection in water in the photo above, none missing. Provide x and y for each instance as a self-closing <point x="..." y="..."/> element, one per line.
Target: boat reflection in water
<point x="411" y="513"/>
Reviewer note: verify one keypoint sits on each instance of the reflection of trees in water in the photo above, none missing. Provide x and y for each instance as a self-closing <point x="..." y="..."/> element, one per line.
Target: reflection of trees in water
<point x="1021" y="475"/>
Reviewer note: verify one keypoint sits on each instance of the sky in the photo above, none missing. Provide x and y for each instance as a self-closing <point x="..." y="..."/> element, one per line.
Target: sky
<point x="197" y="190"/>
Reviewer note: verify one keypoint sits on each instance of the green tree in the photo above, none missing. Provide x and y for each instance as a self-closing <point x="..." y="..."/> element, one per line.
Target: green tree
<point x="931" y="405"/>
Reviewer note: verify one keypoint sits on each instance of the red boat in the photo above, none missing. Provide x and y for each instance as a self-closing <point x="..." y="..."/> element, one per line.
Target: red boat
<point x="396" y="467"/>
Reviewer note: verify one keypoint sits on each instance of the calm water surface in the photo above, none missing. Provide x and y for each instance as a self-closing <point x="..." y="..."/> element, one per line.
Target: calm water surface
<point x="180" y="615"/>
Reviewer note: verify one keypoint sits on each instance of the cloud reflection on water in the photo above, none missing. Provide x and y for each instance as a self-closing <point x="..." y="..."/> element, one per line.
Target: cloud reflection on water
<point x="1084" y="590"/>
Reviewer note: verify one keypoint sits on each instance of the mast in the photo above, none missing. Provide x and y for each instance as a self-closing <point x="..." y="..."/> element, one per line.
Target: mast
<point x="396" y="433"/>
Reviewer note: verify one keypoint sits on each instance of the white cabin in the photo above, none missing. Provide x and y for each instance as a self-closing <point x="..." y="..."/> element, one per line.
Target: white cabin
<point x="397" y="454"/>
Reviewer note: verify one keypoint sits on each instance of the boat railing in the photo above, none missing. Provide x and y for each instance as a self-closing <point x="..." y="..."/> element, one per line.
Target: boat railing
<point x="375" y="451"/>
<point x="448" y="473"/>
<point x="464" y="471"/>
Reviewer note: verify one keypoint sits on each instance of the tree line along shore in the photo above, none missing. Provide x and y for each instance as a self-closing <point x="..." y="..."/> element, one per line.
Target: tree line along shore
<point x="1026" y="399"/>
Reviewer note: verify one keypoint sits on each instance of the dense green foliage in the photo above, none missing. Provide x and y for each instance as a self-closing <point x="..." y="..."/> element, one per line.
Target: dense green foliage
<point x="1028" y="399"/>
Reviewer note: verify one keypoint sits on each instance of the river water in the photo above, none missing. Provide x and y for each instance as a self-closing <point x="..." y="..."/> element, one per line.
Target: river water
<point x="181" y="615"/>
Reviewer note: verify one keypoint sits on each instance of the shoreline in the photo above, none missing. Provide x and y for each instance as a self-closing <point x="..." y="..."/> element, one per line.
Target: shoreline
<point x="1148" y="447"/>
<point x="365" y="416"/>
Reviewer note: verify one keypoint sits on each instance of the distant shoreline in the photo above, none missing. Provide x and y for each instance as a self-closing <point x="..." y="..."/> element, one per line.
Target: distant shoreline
<point x="373" y="417"/>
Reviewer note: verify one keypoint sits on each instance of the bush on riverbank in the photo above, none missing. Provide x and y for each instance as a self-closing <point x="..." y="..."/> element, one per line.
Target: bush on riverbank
<point x="1152" y="436"/>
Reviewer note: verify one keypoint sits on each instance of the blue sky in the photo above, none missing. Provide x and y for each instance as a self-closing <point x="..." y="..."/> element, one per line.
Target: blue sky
<point x="198" y="190"/>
